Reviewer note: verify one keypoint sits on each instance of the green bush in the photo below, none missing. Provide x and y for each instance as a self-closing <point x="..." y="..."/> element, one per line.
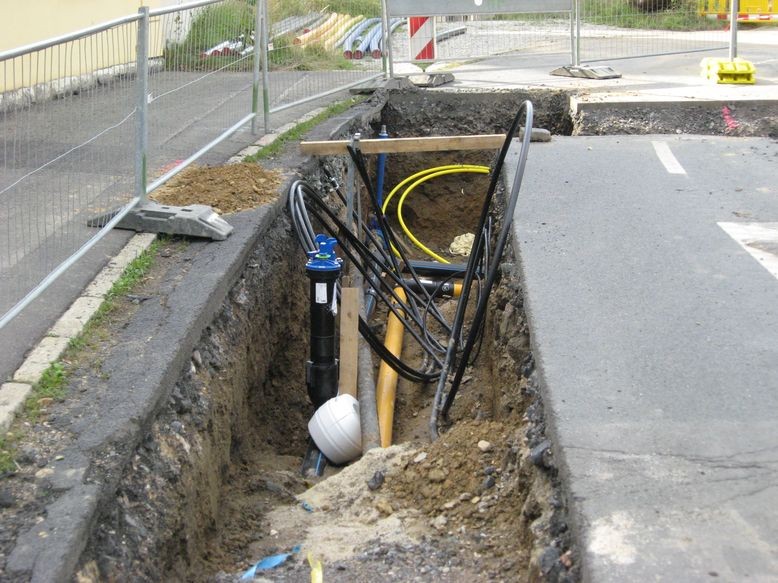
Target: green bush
<point x="213" y="25"/>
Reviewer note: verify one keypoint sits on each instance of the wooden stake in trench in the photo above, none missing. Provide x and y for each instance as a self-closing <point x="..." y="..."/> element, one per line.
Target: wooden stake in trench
<point x="349" y="340"/>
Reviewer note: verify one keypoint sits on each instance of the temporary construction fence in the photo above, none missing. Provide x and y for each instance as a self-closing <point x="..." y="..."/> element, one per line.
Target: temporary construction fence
<point x="312" y="54"/>
<point x="578" y="30"/>
<point x="68" y="116"/>
<point x="460" y="30"/>
<point x="619" y="29"/>
<point x="93" y="121"/>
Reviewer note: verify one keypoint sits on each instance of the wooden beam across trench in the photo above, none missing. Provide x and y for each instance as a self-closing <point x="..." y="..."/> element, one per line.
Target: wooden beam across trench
<point x="406" y="145"/>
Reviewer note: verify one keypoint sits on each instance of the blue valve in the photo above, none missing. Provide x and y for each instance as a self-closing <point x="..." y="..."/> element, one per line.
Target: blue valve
<point x="324" y="259"/>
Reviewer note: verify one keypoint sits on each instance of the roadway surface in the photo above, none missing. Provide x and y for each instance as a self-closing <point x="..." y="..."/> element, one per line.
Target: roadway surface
<point x="655" y="334"/>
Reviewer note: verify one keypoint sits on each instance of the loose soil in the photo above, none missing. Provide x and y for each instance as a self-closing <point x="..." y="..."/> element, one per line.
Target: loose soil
<point x="228" y="189"/>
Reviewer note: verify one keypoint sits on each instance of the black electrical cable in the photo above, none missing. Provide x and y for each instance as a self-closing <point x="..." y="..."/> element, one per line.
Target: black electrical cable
<point x="363" y="251"/>
<point x="399" y="366"/>
<point x="497" y="257"/>
<point x="373" y="265"/>
<point x="475" y="257"/>
<point x="344" y="233"/>
<point x="384" y="249"/>
<point x="361" y="166"/>
<point x="402" y="369"/>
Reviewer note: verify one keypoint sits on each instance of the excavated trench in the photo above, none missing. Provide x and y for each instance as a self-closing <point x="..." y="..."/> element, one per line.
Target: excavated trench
<point x="216" y="485"/>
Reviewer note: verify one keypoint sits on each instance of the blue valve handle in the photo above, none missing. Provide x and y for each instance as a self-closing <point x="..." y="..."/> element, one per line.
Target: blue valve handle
<point x="324" y="259"/>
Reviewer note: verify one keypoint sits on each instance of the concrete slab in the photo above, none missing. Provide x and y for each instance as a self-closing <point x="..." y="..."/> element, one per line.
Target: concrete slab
<point x="73" y="321"/>
<point x="40" y="358"/>
<point x="656" y="340"/>
<point x="12" y="397"/>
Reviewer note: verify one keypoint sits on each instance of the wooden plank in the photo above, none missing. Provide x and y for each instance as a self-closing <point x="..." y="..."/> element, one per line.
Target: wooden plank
<point x="349" y="340"/>
<point x="405" y="145"/>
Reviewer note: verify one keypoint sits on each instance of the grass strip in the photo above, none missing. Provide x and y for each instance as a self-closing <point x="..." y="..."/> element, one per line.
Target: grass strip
<point x="298" y="131"/>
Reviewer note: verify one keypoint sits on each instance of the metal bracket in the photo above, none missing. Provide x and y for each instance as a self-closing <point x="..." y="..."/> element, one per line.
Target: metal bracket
<point x="586" y="72"/>
<point x="196" y="220"/>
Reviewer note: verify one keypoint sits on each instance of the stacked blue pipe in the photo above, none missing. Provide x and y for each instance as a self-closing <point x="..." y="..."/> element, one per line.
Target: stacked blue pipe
<point x="354" y="36"/>
<point x="375" y="43"/>
<point x="374" y="35"/>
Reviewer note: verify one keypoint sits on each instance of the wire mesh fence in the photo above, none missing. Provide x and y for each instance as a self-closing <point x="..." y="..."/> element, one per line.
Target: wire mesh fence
<point x="202" y="79"/>
<point x="316" y="48"/>
<point x="480" y="36"/>
<point x="618" y="29"/>
<point x="67" y="117"/>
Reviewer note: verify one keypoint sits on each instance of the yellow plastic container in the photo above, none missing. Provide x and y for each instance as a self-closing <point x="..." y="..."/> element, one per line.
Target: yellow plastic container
<point x="726" y="71"/>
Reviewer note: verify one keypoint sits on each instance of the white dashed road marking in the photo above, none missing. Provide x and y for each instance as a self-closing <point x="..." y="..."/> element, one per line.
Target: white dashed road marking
<point x="666" y="157"/>
<point x="759" y="239"/>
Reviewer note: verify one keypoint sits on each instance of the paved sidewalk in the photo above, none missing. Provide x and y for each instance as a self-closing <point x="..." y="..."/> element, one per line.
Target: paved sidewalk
<point x="655" y="333"/>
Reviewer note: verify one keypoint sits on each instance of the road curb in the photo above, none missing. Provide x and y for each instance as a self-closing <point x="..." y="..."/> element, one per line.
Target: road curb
<point x="67" y="327"/>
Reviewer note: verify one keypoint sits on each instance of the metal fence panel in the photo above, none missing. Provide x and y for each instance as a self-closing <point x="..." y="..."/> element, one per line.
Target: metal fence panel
<point x="465" y="38"/>
<point x="315" y="51"/>
<point x="618" y="29"/>
<point x="201" y="79"/>
<point x="67" y="119"/>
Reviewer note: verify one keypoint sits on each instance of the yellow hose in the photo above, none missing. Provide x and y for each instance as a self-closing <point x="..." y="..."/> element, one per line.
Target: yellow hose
<point x="419" y="175"/>
<point x="319" y="31"/>
<point x="419" y="178"/>
<point x="340" y="29"/>
<point x="406" y="230"/>
<point x="386" y="383"/>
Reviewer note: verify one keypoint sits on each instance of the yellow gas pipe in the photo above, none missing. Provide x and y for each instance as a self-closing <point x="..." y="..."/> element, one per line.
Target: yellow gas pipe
<point x="386" y="385"/>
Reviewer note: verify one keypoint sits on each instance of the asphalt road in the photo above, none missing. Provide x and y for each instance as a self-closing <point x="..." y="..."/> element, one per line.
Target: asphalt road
<point x="656" y="338"/>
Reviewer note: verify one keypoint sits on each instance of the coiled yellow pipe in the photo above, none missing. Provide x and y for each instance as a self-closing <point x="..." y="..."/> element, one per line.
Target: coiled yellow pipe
<point x="419" y="178"/>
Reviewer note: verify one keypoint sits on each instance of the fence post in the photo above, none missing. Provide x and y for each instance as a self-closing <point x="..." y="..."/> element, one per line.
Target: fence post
<point x="265" y="40"/>
<point x="388" y="57"/>
<point x="142" y="122"/>
<point x="734" y="9"/>
<point x="255" y="67"/>
<point x="575" y="32"/>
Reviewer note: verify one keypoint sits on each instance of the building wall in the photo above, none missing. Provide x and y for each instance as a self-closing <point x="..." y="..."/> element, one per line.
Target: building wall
<point x="79" y="64"/>
<point x="31" y="21"/>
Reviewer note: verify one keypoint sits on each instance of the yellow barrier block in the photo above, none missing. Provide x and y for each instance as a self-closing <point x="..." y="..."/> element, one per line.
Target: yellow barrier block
<point x="735" y="71"/>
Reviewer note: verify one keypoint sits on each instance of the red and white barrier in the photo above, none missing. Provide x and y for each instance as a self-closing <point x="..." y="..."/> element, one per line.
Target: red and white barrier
<point x="421" y="30"/>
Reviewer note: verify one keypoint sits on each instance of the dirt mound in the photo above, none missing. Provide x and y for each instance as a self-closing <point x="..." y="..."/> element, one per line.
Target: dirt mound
<point x="228" y="189"/>
<point x="462" y="479"/>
